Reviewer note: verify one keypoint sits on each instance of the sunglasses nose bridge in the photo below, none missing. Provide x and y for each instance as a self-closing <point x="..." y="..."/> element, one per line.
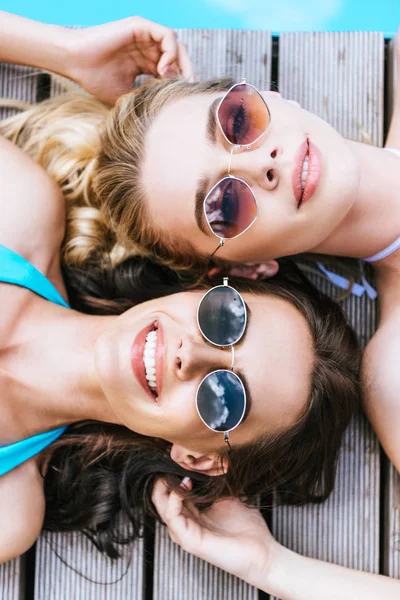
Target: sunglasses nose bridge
<point x="197" y="357"/>
<point x="259" y="166"/>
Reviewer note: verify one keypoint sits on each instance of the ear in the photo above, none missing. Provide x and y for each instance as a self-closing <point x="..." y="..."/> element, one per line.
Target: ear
<point x="256" y="271"/>
<point x="268" y="269"/>
<point x="249" y="270"/>
<point x="207" y="464"/>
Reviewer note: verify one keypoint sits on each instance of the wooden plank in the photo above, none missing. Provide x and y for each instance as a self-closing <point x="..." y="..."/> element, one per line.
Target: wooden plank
<point x="215" y="53"/>
<point x="340" y="77"/>
<point x="337" y="76"/>
<point x="180" y="576"/>
<point x="12" y="580"/>
<point x="391" y="557"/>
<point x="69" y="566"/>
<point x="390" y="78"/>
<point x="230" y="52"/>
<point x="18" y="83"/>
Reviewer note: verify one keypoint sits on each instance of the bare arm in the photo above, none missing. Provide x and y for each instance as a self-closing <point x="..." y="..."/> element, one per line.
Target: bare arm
<point x="295" y="577"/>
<point x="105" y="60"/>
<point x="381" y="383"/>
<point x="235" y="538"/>
<point x="22" y="509"/>
<point x="393" y="137"/>
<point x="28" y="42"/>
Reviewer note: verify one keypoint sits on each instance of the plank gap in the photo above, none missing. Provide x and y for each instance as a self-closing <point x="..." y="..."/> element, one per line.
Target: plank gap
<point x="275" y="64"/>
<point x="149" y="546"/>
<point x="28" y="574"/>
<point x="382" y="511"/>
<point x="43" y="87"/>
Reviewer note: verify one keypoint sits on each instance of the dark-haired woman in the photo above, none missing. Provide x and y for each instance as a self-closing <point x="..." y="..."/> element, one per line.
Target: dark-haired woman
<point x="293" y="370"/>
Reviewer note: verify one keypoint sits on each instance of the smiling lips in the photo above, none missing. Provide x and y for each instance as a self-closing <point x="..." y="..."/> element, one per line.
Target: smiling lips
<point x="306" y="172"/>
<point x="147" y="356"/>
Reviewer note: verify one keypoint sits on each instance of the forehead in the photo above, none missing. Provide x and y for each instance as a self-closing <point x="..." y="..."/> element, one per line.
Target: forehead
<point x="277" y="356"/>
<point x="176" y="154"/>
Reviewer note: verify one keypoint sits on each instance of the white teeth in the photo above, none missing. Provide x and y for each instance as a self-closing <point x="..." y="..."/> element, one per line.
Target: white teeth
<point x="304" y="173"/>
<point x="149" y="359"/>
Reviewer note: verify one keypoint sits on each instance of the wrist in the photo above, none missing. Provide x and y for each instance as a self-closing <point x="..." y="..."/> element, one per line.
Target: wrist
<point x="55" y="52"/>
<point x="266" y="572"/>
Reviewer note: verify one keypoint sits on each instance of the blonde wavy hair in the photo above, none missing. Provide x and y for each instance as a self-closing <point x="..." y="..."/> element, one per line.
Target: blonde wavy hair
<point x="95" y="153"/>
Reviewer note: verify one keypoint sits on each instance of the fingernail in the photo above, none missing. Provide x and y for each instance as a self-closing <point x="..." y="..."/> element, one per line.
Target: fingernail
<point x="185" y="482"/>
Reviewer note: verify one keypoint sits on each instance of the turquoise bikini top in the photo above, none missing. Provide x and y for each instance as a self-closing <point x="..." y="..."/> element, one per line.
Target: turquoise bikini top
<point x="18" y="271"/>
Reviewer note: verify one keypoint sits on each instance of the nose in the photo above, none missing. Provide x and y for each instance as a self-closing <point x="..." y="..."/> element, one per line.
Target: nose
<point x="256" y="165"/>
<point x="194" y="357"/>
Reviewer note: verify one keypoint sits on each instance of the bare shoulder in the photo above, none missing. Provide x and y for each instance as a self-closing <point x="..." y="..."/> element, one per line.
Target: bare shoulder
<point x="381" y="387"/>
<point x="380" y="369"/>
<point x="31" y="206"/>
<point x="22" y="507"/>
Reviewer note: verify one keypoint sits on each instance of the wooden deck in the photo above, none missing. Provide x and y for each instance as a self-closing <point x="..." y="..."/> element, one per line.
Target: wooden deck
<point x="346" y="78"/>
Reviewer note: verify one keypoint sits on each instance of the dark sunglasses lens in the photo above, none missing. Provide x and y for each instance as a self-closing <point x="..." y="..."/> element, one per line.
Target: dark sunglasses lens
<point x="222" y="316"/>
<point x="221" y="400"/>
<point x="243" y="115"/>
<point x="230" y="208"/>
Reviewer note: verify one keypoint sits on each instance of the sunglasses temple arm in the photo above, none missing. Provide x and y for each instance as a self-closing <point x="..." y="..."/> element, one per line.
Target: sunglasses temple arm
<point x="226" y="439"/>
<point x="221" y="243"/>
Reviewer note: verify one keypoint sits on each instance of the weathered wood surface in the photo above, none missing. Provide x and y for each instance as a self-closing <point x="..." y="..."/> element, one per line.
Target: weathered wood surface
<point x="340" y="77"/>
<point x="12" y="580"/>
<point x="230" y="52"/>
<point x="69" y="566"/>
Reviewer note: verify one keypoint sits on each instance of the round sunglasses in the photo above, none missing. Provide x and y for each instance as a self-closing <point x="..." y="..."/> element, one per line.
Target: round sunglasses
<point x="221" y="395"/>
<point x="230" y="207"/>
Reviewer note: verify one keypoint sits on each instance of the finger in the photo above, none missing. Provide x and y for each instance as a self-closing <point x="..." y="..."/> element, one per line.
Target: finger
<point x="171" y="71"/>
<point x="160" y="497"/>
<point x="169" y="48"/>
<point x="184" y="62"/>
<point x="186" y="483"/>
<point x="174" y="509"/>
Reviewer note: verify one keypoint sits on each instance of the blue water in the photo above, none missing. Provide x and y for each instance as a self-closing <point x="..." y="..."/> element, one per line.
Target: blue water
<point x="275" y="15"/>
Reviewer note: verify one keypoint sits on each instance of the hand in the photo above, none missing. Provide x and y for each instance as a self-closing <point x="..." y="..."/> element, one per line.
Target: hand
<point x="106" y="59"/>
<point x="229" y="535"/>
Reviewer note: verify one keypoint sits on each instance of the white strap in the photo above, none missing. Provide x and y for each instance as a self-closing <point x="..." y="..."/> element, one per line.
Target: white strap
<point x="394" y="245"/>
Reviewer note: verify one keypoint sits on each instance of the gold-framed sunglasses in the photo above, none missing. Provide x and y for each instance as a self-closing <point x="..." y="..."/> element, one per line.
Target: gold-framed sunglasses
<point x="230" y="207"/>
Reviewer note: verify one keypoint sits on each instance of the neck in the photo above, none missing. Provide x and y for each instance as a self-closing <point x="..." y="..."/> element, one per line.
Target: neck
<point x="373" y="221"/>
<point x="54" y="382"/>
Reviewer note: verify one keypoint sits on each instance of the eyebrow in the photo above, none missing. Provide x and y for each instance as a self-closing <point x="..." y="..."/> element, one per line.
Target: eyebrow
<point x="204" y="182"/>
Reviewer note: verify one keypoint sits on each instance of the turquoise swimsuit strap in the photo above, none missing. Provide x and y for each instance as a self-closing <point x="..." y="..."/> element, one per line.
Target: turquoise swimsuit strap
<point x="17" y="270"/>
<point x="13" y="455"/>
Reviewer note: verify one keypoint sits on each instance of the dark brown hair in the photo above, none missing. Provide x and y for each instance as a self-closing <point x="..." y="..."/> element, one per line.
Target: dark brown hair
<point x="97" y="471"/>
